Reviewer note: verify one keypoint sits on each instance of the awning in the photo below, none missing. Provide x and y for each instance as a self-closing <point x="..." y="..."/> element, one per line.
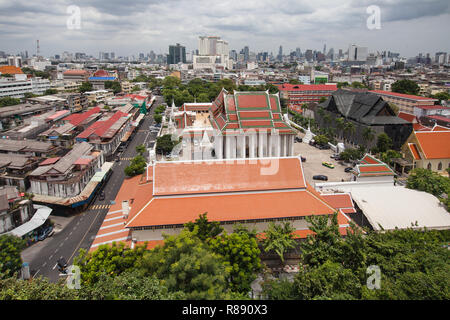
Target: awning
<point x="98" y="176"/>
<point x="35" y="222"/>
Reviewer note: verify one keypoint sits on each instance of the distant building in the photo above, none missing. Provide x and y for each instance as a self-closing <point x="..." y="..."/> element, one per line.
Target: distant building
<point x="177" y="54"/>
<point x="405" y="102"/>
<point x="76" y="75"/>
<point x="15" y="210"/>
<point x="297" y="94"/>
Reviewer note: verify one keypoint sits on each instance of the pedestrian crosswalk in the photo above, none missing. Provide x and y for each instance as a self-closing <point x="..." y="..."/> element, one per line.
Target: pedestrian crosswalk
<point x="126" y="158"/>
<point x="99" y="206"/>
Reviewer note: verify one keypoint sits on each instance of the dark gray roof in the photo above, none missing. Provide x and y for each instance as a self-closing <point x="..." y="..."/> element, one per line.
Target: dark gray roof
<point x="362" y="107"/>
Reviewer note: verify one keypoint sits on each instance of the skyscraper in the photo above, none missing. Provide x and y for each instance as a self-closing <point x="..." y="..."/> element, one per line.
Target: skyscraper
<point x="177" y="54"/>
<point x="280" y="54"/>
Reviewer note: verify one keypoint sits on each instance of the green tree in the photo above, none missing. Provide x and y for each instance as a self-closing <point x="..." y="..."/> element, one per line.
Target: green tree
<point x="129" y="285"/>
<point x="322" y="99"/>
<point x="8" y="101"/>
<point x="279" y="238"/>
<point x="441" y="96"/>
<point x="428" y="181"/>
<point x="241" y="254"/>
<point x="405" y="86"/>
<point x="158" y="118"/>
<point x="384" y="142"/>
<point x="349" y="129"/>
<point x="186" y="264"/>
<point x="10" y="259"/>
<point x="111" y="260"/>
<point x="140" y="149"/>
<point x="330" y="280"/>
<point x="114" y="86"/>
<point x="204" y="229"/>
<point x="294" y="81"/>
<point x="321" y="139"/>
<point x="85" y="86"/>
<point x="368" y="135"/>
<point x="50" y="91"/>
<point x="35" y="289"/>
<point x="137" y="166"/>
<point x="165" y="144"/>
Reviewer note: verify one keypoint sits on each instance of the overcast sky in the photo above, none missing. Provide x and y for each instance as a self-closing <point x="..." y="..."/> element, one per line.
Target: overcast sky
<point x="130" y="27"/>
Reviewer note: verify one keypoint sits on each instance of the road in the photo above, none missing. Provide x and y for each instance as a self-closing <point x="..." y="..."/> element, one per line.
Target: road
<point x="82" y="228"/>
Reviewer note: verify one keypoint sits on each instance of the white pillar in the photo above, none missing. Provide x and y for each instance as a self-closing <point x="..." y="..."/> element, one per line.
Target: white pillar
<point x="291" y="152"/>
<point x="270" y="147"/>
<point x="228" y="146"/>
<point x="241" y="146"/>
<point x="233" y="147"/>
<point x="218" y="142"/>
<point x="252" y="145"/>
<point x="261" y="137"/>
<point x="277" y="145"/>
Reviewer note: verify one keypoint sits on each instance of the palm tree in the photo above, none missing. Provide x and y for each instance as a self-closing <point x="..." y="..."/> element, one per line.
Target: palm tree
<point x="340" y="125"/>
<point x="349" y="129"/>
<point x="368" y="135"/>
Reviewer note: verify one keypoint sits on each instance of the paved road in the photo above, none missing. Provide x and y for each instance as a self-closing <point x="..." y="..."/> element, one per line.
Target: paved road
<point x="82" y="228"/>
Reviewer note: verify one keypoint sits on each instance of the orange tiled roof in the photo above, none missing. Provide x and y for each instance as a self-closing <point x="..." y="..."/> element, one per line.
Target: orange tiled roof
<point x="434" y="144"/>
<point x="227" y="176"/>
<point x="338" y="200"/>
<point x="414" y="151"/>
<point x="232" y="207"/>
<point x="10" y="70"/>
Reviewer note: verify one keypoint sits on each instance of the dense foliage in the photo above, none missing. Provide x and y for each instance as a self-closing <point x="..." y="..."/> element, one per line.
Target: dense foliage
<point x="8" y="101"/>
<point x="413" y="265"/>
<point x="431" y="182"/>
<point x="165" y="144"/>
<point x="405" y="86"/>
<point x="10" y="259"/>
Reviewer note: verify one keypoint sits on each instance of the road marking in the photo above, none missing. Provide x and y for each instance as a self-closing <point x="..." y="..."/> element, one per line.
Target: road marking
<point x="76" y="248"/>
<point x="45" y="263"/>
<point x="36" y="273"/>
<point x="50" y="258"/>
<point x="55" y="266"/>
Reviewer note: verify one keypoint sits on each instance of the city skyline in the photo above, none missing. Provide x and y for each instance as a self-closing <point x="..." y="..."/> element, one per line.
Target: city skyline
<point x="143" y="27"/>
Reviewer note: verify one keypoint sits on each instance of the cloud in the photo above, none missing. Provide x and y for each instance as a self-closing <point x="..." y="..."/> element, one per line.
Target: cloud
<point x="144" y="25"/>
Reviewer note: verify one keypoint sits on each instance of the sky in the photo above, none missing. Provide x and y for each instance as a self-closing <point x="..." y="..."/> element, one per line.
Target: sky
<point x="130" y="27"/>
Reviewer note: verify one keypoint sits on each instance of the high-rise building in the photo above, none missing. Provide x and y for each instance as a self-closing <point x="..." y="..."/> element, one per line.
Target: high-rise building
<point x="213" y="52"/>
<point x="280" y="54"/>
<point x="309" y="55"/>
<point x="177" y="54"/>
<point x="298" y="53"/>
<point x="15" y="61"/>
<point x="357" y="53"/>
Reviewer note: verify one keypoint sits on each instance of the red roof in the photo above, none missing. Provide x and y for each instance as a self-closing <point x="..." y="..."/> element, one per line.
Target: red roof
<point x="431" y="107"/>
<point x="402" y="95"/>
<point x="307" y="87"/>
<point x="10" y="70"/>
<point x="101" y="73"/>
<point x="78" y="118"/>
<point x="407" y="116"/>
<point x="434" y="144"/>
<point x="441" y="118"/>
<point x="414" y="151"/>
<point x="75" y="72"/>
<point x="440" y="128"/>
<point x="227" y="176"/>
<point x="83" y="161"/>
<point x="100" y="127"/>
<point x="49" y="161"/>
<point x="419" y="127"/>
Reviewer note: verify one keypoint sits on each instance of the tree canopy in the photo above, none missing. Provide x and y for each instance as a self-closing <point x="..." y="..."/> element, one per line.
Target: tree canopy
<point x="10" y="259"/>
<point x="405" y="86"/>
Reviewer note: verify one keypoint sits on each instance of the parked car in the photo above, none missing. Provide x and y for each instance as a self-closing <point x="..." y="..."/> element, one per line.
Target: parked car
<point x="324" y="147"/>
<point x="102" y="196"/>
<point x="328" y="164"/>
<point x="348" y="169"/>
<point x="298" y="139"/>
<point x="48" y="232"/>
<point x="303" y="159"/>
<point x="320" y="177"/>
<point x="334" y="156"/>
